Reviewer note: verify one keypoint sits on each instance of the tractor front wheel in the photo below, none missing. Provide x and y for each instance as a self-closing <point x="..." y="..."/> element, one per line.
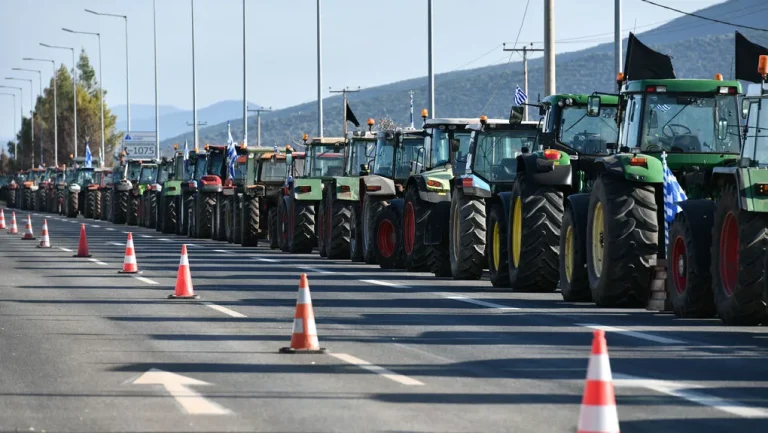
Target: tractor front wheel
<point x="250" y="219"/>
<point x="338" y="217"/>
<point x="466" y="237"/>
<point x="371" y="210"/>
<point x="574" y="284"/>
<point x="415" y="219"/>
<point x="388" y="239"/>
<point x="498" y="268"/>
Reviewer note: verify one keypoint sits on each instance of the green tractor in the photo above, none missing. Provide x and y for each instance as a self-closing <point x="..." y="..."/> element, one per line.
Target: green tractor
<point x="324" y="160"/>
<point x="241" y="199"/>
<point x="427" y="198"/>
<point x="694" y="125"/>
<point x="381" y="196"/>
<point x="77" y="187"/>
<point x="148" y="171"/>
<point x="272" y="169"/>
<point x="295" y="163"/>
<point x="169" y="207"/>
<point x="150" y="198"/>
<point x="123" y="203"/>
<point x="191" y="194"/>
<point x="93" y="202"/>
<point x="339" y="211"/>
<point x="482" y="194"/>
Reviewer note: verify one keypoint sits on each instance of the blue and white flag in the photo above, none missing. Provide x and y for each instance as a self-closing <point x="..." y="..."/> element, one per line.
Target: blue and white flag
<point x="520" y="96"/>
<point x="231" y="152"/>
<point x="411" y="109"/>
<point x="88" y="156"/>
<point x="186" y="155"/>
<point x="673" y="194"/>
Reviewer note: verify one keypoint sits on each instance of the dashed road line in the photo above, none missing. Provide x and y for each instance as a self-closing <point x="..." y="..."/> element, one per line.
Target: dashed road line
<point x="319" y="271"/>
<point x="65" y="249"/>
<point x="117" y="244"/>
<point x="146" y="236"/>
<point x="164" y="239"/>
<point x="224" y="310"/>
<point x="110" y="228"/>
<point x="385" y="283"/>
<point x="478" y="302"/>
<point x="97" y="262"/>
<point x="389" y="374"/>
<point x="96" y="226"/>
<point x="224" y="251"/>
<point x="640" y="335"/>
<point x="262" y="259"/>
<point x="145" y="280"/>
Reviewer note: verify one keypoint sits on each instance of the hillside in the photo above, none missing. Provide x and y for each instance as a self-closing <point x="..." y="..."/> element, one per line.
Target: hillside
<point x="699" y="50"/>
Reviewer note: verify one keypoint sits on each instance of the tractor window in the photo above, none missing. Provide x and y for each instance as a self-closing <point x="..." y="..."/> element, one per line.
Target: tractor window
<point x="84" y="176"/>
<point x="241" y="169"/>
<point x="273" y="170"/>
<point x="676" y="123"/>
<point x="382" y="164"/>
<point x="325" y="161"/>
<point x="441" y="147"/>
<point x="201" y="167"/>
<point x="147" y="174"/>
<point x="362" y="152"/>
<point x="406" y="153"/>
<point x="97" y="177"/>
<point x="215" y="162"/>
<point x="134" y="169"/>
<point x="756" y="141"/>
<point x="496" y="153"/>
<point x="298" y="166"/>
<point x="588" y="134"/>
<point x="163" y="175"/>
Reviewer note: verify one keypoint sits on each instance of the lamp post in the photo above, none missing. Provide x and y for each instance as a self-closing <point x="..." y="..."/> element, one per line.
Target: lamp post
<point x="31" y="114"/>
<point x="127" y="75"/>
<point x="15" y="142"/>
<point x="74" y="90"/>
<point x="157" y="110"/>
<point x="101" y="85"/>
<point x="258" y="112"/>
<point x="40" y="81"/>
<point x="194" y="83"/>
<point x="55" y="113"/>
<point x="21" y="112"/>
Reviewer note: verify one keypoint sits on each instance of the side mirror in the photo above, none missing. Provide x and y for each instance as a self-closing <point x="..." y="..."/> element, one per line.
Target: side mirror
<point x="722" y="129"/>
<point x="745" y="108"/>
<point x="516" y="115"/>
<point x="542" y="110"/>
<point x="364" y="169"/>
<point x="593" y="106"/>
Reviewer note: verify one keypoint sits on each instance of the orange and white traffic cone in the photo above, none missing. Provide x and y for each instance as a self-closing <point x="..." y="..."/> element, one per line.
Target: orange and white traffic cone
<point x="2" y="220"/>
<point x="184" y="289"/>
<point x="304" y="338"/>
<point x="28" y="236"/>
<point x="82" y="247"/>
<point x="598" y="406"/>
<point x="129" y="263"/>
<point x="45" y="242"/>
<point x="13" y="230"/>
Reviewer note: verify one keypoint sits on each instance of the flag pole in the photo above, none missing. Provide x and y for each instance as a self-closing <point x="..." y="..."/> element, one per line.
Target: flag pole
<point x="344" y="92"/>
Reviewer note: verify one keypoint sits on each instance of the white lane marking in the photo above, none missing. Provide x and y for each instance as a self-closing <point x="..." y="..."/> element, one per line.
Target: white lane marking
<point x="223" y="251"/>
<point x="97" y="262"/>
<point x="640" y="335"/>
<point x="224" y="310"/>
<point x="95" y="226"/>
<point x="125" y="233"/>
<point x="319" y="271"/>
<point x="178" y="387"/>
<point x="192" y="245"/>
<point x="146" y="236"/>
<point x="263" y="259"/>
<point x="684" y="391"/>
<point x="389" y="374"/>
<point x="145" y="280"/>
<point x="385" y="283"/>
<point x="65" y="249"/>
<point x="164" y="239"/>
<point x="478" y="302"/>
<point x="109" y="228"/>
<point x="117" y="244"/>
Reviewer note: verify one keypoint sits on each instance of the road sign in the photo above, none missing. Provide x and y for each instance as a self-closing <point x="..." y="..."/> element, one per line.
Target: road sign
<point x="140" y="145"/>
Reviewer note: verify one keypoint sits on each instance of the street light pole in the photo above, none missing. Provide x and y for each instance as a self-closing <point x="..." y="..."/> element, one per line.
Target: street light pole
<point x="319" y="74"/>
<point x="245" y="84"/>
<point x="101" y="86"/>
<point x="344" y="92"/>
<point x="258" y="112"/>
<point x="40" y="80"/>
<point x="157" y="109"/>
<point x="431" y="69"/>
<point x="74" y="94"/>
<point x="194" y="83"/>
<point x="31" y="114"/>
<point x="55" y="113"/>
<point x="21" y="112"/>
<point x="15" y="142"/>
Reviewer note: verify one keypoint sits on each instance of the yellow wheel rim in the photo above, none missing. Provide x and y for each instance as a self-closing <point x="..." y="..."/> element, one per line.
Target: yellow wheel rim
<point x="597" y="240"/>
<point x="517" y="231"/>
<point x="569" y="254"/>
<point x="496" y="245"/>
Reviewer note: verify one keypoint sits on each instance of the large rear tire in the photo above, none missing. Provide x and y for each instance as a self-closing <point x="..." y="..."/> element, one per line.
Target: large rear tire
<point x="238" y="209"/>
<point x="371" y="210"/>
<point x="739" y="245"/>
<point x="466" y="237"/>
<point x="152" y="211"/>
<point x="356" y="235"/>
<point x="204" y="222"/>
<point x="302" y="230"/>
<point x="90" y="205"/>
<point x="72" y="204"/>
<point x="574" y="284"/>
<point x="414" y="225"/>
<point x="251" y="217"/>
<point x="11" y="198"/>
<point x="273" y="229"/>
<point x="133" y="210"/>
<point x="388" y="239"/>
<point x="498" y="255"/>
<point x="96" y="205"/>
<point x="339" y="220"/>
<point x="535" y="218"/>
<point x="622" y="242"/>
<point x="171" y="215"/>
<point x="121" y="207"/>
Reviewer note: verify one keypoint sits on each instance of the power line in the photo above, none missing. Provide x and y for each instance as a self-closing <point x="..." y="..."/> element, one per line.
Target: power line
<point x="504" y="72"/>
<point x="705" y="18"/>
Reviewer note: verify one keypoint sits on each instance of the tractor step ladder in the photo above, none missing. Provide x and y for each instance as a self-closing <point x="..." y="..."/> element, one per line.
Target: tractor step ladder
<point x="659" y="301"/>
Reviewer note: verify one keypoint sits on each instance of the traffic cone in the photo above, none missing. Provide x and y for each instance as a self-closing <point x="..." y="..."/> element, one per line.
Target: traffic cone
<point x="28" y="236"/>
<point x="82" y="248"/>
<point x="2" y="220"/>
<point x="184" y="288"/>
<point x="13" y="230"/>
<point x="598" y="406"/>
<point x="129" y="263"/>
<point x="304" y="338"/>
<point x="45" y="242"/>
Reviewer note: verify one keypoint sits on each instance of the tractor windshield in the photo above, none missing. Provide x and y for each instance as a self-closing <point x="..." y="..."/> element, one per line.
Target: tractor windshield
<point x="162" y="176"/>
<point x="134" y="168"/>
<point x="385" y="152"/>
<point x="241" y="168"/>
<point x="588" y="134"/>
<point x="324" y="161"/>
<point x="272" y="170"/>
<point x="201" y="166"/>
<point x="407" y="152"/>
<point x="84" y="176"/>
<point x="756" y="141"/>
<point x="495" y="158"/>
<point x="441" y="147"/>
<point x="97" y="175"/>
<point x="362" y="151"/>
<point x="148" y="174"/>
<point x="691" y="124"/>
<point x="215" y="161"/>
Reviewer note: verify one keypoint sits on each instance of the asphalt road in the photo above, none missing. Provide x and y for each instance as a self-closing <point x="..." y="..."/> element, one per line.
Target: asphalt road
<point x="406" y="352"/>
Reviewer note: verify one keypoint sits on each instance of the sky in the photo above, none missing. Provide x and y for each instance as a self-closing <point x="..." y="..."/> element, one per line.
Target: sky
<point x="358" y="39"/>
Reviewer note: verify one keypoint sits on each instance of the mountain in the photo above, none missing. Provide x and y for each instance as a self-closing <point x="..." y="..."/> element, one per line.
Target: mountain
<point x="173" y="121"/>
<point x="699" y="49"/>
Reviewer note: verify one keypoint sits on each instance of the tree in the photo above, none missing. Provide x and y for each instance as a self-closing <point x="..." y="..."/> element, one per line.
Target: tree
<point x="5" y="163"/>
<point x="87" y="76"/>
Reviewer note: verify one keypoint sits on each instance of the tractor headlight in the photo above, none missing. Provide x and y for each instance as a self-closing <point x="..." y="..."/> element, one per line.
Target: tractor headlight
<point x="74" y="188"/>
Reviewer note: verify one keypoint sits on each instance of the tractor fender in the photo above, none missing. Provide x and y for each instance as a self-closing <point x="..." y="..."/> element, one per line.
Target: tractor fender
<point x="379" y="186"/>
<point x="437" y="224"/>
<point x="620" y="165"/>
<point x="505" y="198"/>
<point x="432" y="196"/>
<point x="474" y="186"/>
<point x="700" y="215"/>
<point x="544" y="171"/>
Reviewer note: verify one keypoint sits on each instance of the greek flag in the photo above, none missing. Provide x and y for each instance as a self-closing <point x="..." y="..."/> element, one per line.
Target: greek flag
<point x="673" y="194"/>
<point x="186" y="155"/>
<point x="520" y="96"/>
<point x="231" y="152"/>
<point x="88" y="156"/>
<point x="411" y="110"/>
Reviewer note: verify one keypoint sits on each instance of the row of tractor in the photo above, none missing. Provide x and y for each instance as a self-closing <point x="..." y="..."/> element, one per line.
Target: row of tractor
<point x="582" y="201"/>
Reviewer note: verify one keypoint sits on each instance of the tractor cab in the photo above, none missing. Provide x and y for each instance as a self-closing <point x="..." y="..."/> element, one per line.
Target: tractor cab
<point x="324" y="157"/>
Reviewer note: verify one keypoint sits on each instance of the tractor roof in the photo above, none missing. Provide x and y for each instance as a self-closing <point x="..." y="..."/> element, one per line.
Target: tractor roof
<point x="451" y="121"/>
<point x="683" y="85"/>
<point x="325" y="140"/>
<point x="504" y="125"/>
<point x="755" y="89"/>
<point x="269" y="155"/>
<point x="361" y="135"/>
<point x="579" y="99"/>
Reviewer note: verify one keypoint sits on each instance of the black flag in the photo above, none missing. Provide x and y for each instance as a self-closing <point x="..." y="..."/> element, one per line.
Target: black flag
<point x="351" y="117"/>
<point x="747" y="56"/>
<point x="642" y="63"/>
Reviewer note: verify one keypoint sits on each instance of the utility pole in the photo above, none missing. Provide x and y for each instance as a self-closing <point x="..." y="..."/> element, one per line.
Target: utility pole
<point x="411" y="95"/>
<point x="258" y="112"/>
<point x="344" y="92"/>
<point x="157" y="109"/>
<point x="194" y="83"/>
<point x="245" y="85"/>
<point x="431" y="70"/>
<point x="525" y="51"/>
<point x="319" y="74"/>
<point x="196" y="124"/>
<point x="549" y="47"/>
<point x="617" y="38"/>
